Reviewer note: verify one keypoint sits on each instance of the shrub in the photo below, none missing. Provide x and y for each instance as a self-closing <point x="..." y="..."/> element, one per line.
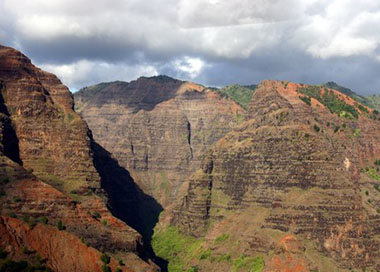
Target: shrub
<point x="16" y="199"/>
<point x="221" y="238"/>
<point x="258" y="264"/>
<point x="104" y="222"/>
<point x="106" y="268"/>
<point x="336" y="129"/>
<point x="173" y="246"/>
<point x="13" y="214"/>
<point x="12" y="266"/>
<point x="224" y="258"/>
<point x="96" y="215"/>
<point x="118" y="269"/>
<point x="366" y="193"/>
<point x="306" y="99"/>
<point x="44" y="220"/>
<point x="25" y="250"/>
<point x="25" y="218"/>
<point x="192" y="269"/>
<point x="60" y="225"/>
<point x="3" y="253"/>
<point x="331" y="101"/>
<point x="105" y="258"/>
<point x="316" y="128"/>
<point x="240" y="262"/>
<point x="32" y="222"/>
<point x="377" y="187"/>
<point x="29" y="170"/>
<point x="121" y="262"/>
<point x="205" y="254"/>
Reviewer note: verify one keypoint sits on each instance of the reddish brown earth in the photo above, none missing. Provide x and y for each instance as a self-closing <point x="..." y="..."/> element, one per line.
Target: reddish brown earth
<point x="59" y="250"/>
<point x="277" y="175"/>
<point x="48" y="173"/>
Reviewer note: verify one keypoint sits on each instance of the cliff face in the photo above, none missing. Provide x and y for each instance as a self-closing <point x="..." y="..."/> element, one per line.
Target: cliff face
<point x="301" y="164"/>
<point x="59" y="250"/>
<point x="53" y="140"/>
<point x="157" y="127"/>
<point x="47" y="172"/>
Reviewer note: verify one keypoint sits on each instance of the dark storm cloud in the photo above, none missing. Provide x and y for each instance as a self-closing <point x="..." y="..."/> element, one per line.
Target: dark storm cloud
<point x="213" y="42"/>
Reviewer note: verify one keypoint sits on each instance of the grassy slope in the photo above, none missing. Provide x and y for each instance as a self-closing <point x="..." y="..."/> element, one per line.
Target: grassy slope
<point x="240" y="94"/>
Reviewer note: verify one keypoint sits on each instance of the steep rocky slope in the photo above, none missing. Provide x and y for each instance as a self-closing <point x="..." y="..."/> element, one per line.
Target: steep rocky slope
<point x="157" y="127"/>
<point x="293" y="188"/>
<point x="47" y="175"/>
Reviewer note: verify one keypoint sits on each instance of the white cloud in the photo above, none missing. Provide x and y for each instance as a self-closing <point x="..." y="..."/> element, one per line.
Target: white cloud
<point x="84" y="72"/>
<point x="346" y="28"/>
<point x="191" y="66"/>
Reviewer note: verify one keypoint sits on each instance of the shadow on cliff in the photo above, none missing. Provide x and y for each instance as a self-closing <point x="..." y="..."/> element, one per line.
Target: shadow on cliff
<point x="127" y="201"/>
<point x="10" y="140"/>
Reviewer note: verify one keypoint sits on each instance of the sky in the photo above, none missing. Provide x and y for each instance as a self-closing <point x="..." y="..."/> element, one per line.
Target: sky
<point x="212" y="42"/>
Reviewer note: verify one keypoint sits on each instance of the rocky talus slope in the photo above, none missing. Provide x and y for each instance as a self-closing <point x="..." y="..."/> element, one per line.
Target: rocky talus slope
<point x="157" y="128"/>
<point x="52" y="207"/>
<point x="296" y="187"/>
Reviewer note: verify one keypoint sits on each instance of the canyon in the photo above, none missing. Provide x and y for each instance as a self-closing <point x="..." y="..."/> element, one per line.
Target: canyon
<point x="159" y="174"/>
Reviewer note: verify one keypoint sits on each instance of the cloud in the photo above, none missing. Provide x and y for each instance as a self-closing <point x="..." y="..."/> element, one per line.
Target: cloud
<point x="211" y="41"/>
<point x="84" y="72"/>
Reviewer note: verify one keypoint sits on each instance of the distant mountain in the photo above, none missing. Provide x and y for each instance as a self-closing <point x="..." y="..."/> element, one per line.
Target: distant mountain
<point x="371" y="101"/>
<point x="374" y="101"/>
<point x="158" y="127"/>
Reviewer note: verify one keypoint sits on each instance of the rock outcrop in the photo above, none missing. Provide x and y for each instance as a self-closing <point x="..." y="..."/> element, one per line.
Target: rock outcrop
<point x="302" y="165"/>
<point x="48" y="173"/>
<point x="157" y="128"/>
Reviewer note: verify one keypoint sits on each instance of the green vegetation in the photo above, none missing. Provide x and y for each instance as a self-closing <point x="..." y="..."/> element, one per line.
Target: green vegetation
<point x="96" y="215"/>
<point x="306" y="99"/>
<point x="350" y="93"/>
<point x="25" y="218"/>
<point x="258" y="264"/>
<point x="44" y="220"/>
<point x="255" y="264"/>
<point x="25" y="250"/>
<point x="60" y="225"/>
<point x="224" y="258"/>
<point x="331" y="101"/>
<point x="356" y="132"/>
<point x="105" y="258"/>
<point x="372" y="173"/>
<point x="240" y="94"/>
<point x="239" y="118"/>
<point x="106" y="268"/>
<point x="176" y="248"/>
<point x="316" y="128"/>
<point x="205" y="254"/>
<point x="120" y="262"/>
<point x="193" y="269"/>
<point x="374" y="102"/>
<point x="104" y="222"/>
<point x="221" y="238"/>
<point x="118" y="269"/>
<point x="32" y="222"/>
